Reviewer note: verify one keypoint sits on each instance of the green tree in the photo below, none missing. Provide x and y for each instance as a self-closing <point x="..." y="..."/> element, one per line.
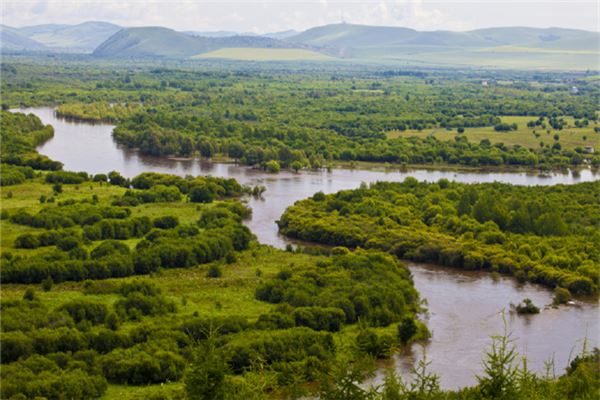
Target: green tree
<point x="205" y="379"/>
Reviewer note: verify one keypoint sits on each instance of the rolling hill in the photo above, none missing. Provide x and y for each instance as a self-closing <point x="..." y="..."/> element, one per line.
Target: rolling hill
<point x="519" y="47"/>
<point x="340" y="35"/>
<point x="164" y="42"/>
<point x="506" y="47"/>
<point x="84" y="37"/>
<point x="12" y="40"/>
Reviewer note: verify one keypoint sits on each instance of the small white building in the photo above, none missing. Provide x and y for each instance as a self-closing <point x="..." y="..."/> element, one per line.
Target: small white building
<point x="574" y="90"/>
<point x="588" y="149"/>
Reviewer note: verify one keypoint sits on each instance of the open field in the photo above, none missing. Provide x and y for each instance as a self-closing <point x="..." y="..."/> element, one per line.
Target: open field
<point x="264" y="54"/>
<point x="569" y="137"/>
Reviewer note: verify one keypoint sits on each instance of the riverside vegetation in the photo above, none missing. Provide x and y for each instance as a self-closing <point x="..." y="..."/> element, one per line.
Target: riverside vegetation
<point x="543" y="234"/>
<point x="306" y="119"/>
<point x="153" y="287"/>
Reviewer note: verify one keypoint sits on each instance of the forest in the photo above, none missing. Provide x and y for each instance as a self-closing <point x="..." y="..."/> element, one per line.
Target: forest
<point x="338" y="117"/>
<point x="541" y="234"/>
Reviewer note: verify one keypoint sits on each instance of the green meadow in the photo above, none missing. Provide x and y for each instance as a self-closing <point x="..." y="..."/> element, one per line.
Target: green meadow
<point x="570" y="137"/>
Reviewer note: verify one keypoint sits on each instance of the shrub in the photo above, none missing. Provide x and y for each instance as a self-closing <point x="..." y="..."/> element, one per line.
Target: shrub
<point x="201" y="194"/>
<point x="166" y="222"/>
<point x="84" y="310"/>
<point x="407" y="328"/>
<point x="143" y="364"/>
<point x="214" y="271"/>
<point x="561" y="296"/>
<point x="370" y="343"/>
<point x="527" y="307"/>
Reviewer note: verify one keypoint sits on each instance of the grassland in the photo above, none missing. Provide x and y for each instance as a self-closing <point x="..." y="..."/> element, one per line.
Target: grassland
<point x="264" y="54"/>
<point x="569" y="137"/>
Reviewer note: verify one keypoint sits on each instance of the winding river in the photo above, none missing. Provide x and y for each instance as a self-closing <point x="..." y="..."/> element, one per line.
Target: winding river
<point x="465" y="308"/>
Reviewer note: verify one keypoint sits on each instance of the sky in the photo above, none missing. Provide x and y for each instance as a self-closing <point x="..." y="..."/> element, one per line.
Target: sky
<point x="279" y="15"/>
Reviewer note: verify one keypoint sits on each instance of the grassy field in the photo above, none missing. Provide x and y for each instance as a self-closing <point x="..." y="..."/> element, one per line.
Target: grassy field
<point x="569" y="138"/>
<point x="263" y="54"/>
<point x="507" y="57"/>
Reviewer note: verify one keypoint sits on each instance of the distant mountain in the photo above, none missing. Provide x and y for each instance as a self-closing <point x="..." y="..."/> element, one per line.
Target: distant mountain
<point x="164" y="42"/>
<point x="281" y="35"/>
<point x="12" y="40"/>
<point x="549" y="38"/>
<point x="212" y="34"/>
<point x="218" y="34"/>
<point x="356" y="36"/>
<point x="84" y="37"/>
<point x="551" y="48"/>
<point x="508" y="47"/>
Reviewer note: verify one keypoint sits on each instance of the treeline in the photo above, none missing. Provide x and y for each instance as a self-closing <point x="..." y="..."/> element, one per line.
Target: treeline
<point x="97" y="111"/>
<point x="165" y="244"/>
<point x="311" y="118"/>
<point x="20" y="134"/>
<point x="73" y="226"/>
<point x="541" y="234"/>
<point x="294" y="146"/>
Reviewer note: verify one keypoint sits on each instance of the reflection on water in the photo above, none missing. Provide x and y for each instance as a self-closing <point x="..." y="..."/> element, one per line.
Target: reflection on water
<point x="465" y="307"/>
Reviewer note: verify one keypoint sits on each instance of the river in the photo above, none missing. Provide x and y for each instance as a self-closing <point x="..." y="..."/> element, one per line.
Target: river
<point x="465" y="308"/>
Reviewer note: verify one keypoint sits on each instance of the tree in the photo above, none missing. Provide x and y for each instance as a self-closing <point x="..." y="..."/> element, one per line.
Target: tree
<point x="551" y="224"/>
<point x="407" y="328"/>
<point x="235" y="150"/>
<point x="296" y="165"/>
<point x="207" y="149"/>
<point x="57" y="188"/>
<point x="117" y="179"/>
<point x="500" y="369"/>
<point x="201" y="194"/>
<point x="205" y="379"/>
<point x="272" y="166"/>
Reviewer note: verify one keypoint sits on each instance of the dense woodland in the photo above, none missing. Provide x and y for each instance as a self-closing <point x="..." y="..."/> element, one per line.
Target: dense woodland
<point x="310" y="120"/>
<point x="547" y="235"/>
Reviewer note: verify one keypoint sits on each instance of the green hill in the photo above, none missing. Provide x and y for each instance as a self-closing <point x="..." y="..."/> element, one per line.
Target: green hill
<point x="11" y="39"/>
<point x="84" y="37"/>
<point x="510" y="47"/>
<point x="163" y="42"/>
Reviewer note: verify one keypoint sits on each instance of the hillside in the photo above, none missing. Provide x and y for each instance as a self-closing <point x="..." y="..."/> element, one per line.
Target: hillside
<point x="163" y="42"/>
<point x="493" y="47"/>
<point x="363" y="35"/>
<point x="80" y="38"/>
<point x="265" y="54"/>
<point x="13" y="40"/>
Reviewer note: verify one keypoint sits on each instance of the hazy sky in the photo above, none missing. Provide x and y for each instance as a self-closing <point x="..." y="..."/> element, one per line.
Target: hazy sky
<point x="277" y="15"/>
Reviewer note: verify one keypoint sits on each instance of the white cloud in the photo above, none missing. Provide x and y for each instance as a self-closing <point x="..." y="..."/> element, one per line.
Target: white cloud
<point x="273" y="15"/>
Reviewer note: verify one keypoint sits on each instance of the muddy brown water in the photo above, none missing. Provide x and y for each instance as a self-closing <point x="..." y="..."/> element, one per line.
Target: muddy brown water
<point x="465" y="308"/>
